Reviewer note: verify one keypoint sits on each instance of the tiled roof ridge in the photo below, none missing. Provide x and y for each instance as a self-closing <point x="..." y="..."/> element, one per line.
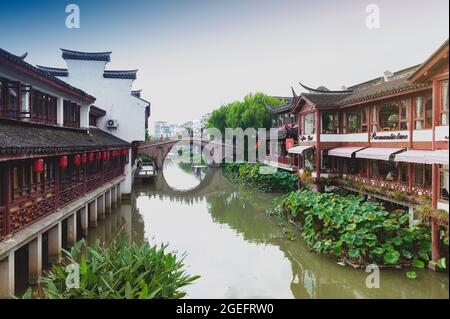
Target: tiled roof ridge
<point x="88" y="56"/>
<point x="121" y="74"/>
<point x="18" y="61"/>
<point x="54" y="71"/>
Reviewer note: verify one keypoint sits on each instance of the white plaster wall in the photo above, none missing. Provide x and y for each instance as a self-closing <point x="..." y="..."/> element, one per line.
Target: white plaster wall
<point x="423" y="135"/>
<point x="112" y="95"/>
<point x="357" y="137"/>
<point x="441" y="133"/>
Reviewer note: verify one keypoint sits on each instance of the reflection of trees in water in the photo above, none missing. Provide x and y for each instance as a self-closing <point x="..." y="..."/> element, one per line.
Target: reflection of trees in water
<point x="243" y="215"/>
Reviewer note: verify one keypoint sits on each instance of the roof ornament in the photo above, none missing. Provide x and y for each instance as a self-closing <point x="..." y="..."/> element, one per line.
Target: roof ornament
<point x="322" y="89"/>
<point x="293" y="93"/>
<point x="23" y="56"/>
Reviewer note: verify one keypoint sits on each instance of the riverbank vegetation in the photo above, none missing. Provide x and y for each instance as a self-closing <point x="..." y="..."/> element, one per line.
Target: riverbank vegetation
<point x="356" y="231"/>
<point x="118" y="271"/>
<point x="250" y="174"/>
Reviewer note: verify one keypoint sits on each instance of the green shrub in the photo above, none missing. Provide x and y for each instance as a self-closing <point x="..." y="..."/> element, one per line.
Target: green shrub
<point x="356" y="230"/>
<point x="118" y="272"/>
<point x="249" y="173"/>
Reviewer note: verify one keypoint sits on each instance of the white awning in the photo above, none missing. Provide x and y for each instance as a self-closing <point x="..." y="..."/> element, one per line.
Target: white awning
<point x="439" y="157"/>
<point x="378" y="153"/>
<point x="414" y="156"/>
<point x="299" y="149"/>
<point x="423" y="157"/>
<point x="344" y="151"/>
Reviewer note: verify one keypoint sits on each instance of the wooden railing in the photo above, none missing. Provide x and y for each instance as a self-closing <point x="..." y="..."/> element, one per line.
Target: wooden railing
<point x="390" y="185"/>
<point x="29" y="209"/>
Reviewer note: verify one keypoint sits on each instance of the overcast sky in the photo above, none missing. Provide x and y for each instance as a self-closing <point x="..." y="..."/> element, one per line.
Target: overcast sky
<point x="195" y="55"/>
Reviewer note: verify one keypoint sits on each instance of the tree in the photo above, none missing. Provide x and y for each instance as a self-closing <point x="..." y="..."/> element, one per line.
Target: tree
<point x="251" y="112"/>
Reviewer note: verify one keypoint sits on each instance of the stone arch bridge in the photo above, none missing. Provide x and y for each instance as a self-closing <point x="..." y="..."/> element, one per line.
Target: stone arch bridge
<point x="159" y="149"/>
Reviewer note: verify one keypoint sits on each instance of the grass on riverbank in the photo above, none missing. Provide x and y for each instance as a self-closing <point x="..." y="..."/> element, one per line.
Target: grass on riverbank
<point x="249" y="174"/>
<point x="118" y="271"/>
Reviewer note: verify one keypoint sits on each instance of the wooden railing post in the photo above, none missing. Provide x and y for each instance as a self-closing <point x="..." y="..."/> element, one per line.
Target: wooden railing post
<point x="57" y="181"/>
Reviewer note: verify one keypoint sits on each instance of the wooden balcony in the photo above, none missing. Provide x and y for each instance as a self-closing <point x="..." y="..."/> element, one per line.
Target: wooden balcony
<point x="396" y="190"/>
<point x="282" y="162"/>
<point x="28" y="209"/>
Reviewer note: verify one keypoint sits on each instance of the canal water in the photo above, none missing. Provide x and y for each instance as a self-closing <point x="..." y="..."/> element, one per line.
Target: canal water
<point x="225" y="235"/>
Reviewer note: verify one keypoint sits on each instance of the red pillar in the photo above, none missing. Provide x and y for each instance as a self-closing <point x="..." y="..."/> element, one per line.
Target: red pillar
<point x="318" y="159"/>
<point x="435" y="242"/>
<point x="435" y="236"/>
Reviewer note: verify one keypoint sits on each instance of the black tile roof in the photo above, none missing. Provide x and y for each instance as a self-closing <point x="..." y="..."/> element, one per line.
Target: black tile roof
<point x="324" y="100"/>
<point x="117" y="74"/>
<point x="373" y="89"/>
<point x="54" y="71"/>
<point x="381" y="90"/>
<point x="27" y="138"/>
<point x="19" y="61"/>
<point x="88" y="56"/>
<point x="285" y="108"/>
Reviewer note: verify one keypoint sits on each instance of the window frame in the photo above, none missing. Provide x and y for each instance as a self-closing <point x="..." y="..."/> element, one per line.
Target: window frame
<point x="423" y="117"/>
<point x="334" y="122"/>
<point x="304" y="116"/>
<point x="442" y="109"/>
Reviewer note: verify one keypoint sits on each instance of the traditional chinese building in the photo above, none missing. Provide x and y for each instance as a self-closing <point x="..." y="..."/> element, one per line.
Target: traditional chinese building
<point x="285" y="127"/>
<point x="387" y="137"/>
<point x="58" y="173"/>
<point x="118" y="110"/>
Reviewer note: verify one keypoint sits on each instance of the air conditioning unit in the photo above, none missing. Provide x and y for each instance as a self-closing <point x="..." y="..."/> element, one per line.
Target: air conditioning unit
<point x="112" y="124"/>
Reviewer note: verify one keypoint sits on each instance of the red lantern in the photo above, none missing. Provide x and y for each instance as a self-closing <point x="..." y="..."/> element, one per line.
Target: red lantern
<point x="63" y="161"/>
<point x="125" y="151"/>
<point x="99" y="155"/>
<point x="108" y="155"/>
<point x="104" y="156"/>
<point x="77" y="160"/>
<point x="39" y="165"/>
<point x="84" y="158"/>
<point x="91" y="157"/>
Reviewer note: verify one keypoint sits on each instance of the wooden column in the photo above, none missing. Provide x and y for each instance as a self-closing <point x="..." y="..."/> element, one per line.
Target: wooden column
<point x="435" y="245"/>
<point x="411" y="121"/>
<point x="57" y="180"/>
<point x="318" y="131"/>
<point x="410" y="176"/>
<point x="435" y="236"/>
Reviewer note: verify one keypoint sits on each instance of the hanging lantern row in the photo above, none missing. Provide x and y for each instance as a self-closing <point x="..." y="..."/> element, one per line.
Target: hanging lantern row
<point x="39" y="165"/>
<point x="79" y="159"/>
<point x="63" y="161"/>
